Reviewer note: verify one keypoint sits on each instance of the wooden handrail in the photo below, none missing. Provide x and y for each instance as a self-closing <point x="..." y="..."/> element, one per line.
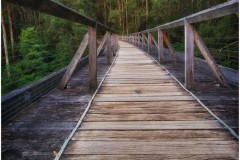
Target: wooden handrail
<point x="191" y="35"/>
<point x="59" y="10"/>
<point x="220" y="10"/>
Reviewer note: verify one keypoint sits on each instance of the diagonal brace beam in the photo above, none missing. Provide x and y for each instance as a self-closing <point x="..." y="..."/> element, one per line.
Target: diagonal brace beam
<point x="73" y="64"/>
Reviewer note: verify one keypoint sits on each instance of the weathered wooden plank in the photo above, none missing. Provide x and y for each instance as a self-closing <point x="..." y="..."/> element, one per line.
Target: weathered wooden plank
<point x="143" y="84"/>
<point x="144" y="89"/>
<point x="189" y="56"/>
<point x="139" y="76"/>
<point x="149" y="42"/>
<point x="170" y="47"/>
<point x="177" y="148"/>
<point x="143" y="99"/>
<point x="151" y="125"/>
<point x="102" y="43"/>
<point x="152" y="135"/>
<point x="145" y="105"/>
<point x="148" y="117"/>
<point x="92" y="58"/>
<point x="153" y="157"/>
<point x="71" y="67"/>
<point x="138" y="81"/>
<point x="210" y="60"/>
<point x="109" y="50"/>
<point x="160" y="47"/>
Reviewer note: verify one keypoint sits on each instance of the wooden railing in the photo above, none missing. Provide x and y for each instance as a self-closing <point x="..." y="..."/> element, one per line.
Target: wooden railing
<point x="191" y="36"/>
<point x="56" y="9"/>
<point x="16" y="101"/>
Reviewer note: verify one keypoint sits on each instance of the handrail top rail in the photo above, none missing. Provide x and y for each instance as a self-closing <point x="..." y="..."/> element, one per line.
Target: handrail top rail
<point x="59" y="10"/>
<point x="220" y="10"/>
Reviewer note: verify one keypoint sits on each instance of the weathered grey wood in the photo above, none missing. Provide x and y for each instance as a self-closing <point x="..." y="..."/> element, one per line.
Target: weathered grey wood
<point x="160" y="47"/>
<point x="171" y="49"/>
<point x="154" y="41"/>
<point x="149" y="42"/>
<point x="113" y="41"/>
<point x="142" y="41"/>
<point x="59" y="10"/>
<point x="220" y="10"/>
<point x="210" y="60"/>
<point x="92" y="58"/>
<point x="109" y="50"/>
<point x="151" y="156"/>
<point x="71" y="67"/>
<point x="151" y="125"/>
<point x="102" y="43"/>
<point x="189" y="56"/>
<point x="155" y="135"/>
<point x="146" y="38"/>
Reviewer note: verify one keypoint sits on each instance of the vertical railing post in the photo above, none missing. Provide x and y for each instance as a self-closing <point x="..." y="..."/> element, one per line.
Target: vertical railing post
<point x="139" y="41"/>
<point x="149" y="43"/>
<point x="189" y="56"/>
<point x="142" y="41"/>
<point x="160" y="47"/>
<point x="92" y="59"/>
<point x="114" y="40"/>
<point x="109" y="50"/>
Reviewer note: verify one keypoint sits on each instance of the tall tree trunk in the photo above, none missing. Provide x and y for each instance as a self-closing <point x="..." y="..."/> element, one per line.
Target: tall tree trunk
<point x="146" y="14"/>
<point x="120" y="17"/>
<point x="10" y="28"/>
<point x="123" y="20"/>
<point x="105" y="12"/>
<point x="135" y="21"/>
<point x="5" y="47"/>
<point x="127" y="16"/>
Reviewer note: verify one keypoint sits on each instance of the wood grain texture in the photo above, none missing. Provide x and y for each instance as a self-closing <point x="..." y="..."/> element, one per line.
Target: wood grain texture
<point x="189" y="56"/>
<point x="151" y="125"/>
<point x="174" y="148"/>
<point x="140" y="112"/>
<point x="209" y="58"/>
<point x="160" y="47"/>
<point x="73" y="64"/>
<point x="152" y="157"/>
<point x="92" y="58"/>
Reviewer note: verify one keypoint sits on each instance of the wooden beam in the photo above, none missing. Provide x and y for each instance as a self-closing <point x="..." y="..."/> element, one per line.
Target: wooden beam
<point x="73" y="64"/>
<point x="154" y="41"/>
<point x="160" y="47"/>
<point x="138" y="36"/>
<point x="114" y="47"/>
<point x="59" y="10"/>
<point x="149" y="43"/>
<point x="109" y="50"/>
<point x="220" y="10"/>
<point x="92" y="59"/>
<point x="189" y="56"/>
<point x="102" y="43"/>
<point x="210" y="60"/>
<point x="171" y="49"/>
<point x="145" y="37"/>
<point x="117" y="42"/>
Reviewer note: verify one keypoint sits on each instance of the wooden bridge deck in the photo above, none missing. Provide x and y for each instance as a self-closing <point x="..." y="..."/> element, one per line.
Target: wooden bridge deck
<point x="141" y="112"/>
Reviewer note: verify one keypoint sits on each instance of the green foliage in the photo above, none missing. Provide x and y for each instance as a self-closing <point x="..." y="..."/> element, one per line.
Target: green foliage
<point x="45" y="43"/>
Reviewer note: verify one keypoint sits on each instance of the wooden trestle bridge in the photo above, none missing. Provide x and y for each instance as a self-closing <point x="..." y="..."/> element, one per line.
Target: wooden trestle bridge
<point x="134" y="108"/>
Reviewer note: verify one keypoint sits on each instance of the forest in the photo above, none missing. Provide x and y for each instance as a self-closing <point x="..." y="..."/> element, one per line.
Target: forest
<point x="35" y="44"/>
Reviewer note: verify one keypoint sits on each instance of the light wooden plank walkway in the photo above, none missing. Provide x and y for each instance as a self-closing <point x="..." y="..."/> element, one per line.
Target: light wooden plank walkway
<point x="140" y="112"/>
